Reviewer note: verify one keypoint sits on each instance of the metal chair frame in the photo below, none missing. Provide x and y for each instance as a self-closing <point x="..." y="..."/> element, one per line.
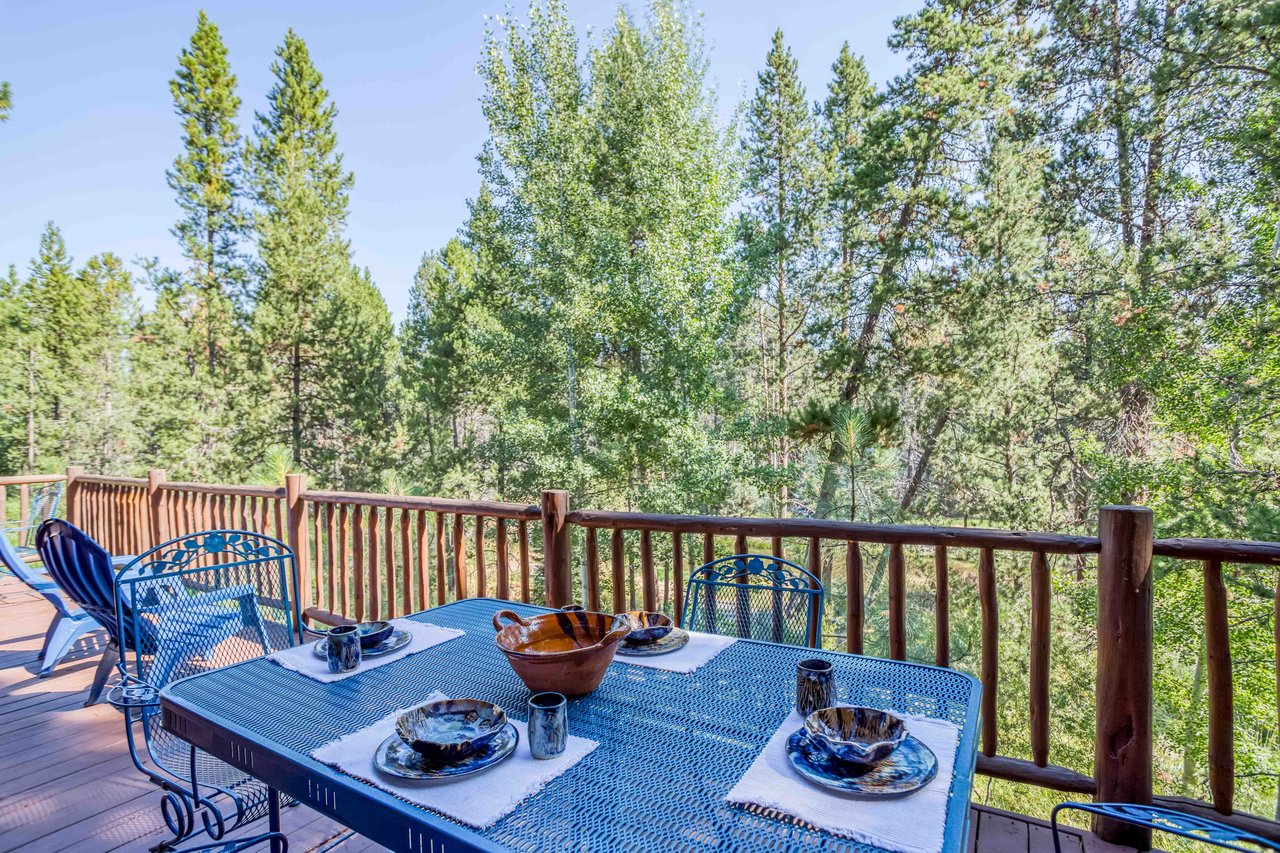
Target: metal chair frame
<point x="195" y="782"/>
<point x="749" y="573"/>
<point x="1167" y="820"/>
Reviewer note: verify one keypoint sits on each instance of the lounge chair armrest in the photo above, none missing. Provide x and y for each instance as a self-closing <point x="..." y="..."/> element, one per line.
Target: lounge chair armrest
<point x="324" y="617"/>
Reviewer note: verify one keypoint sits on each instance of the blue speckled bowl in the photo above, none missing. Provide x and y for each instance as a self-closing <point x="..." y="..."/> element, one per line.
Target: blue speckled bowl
<point x="373" y="633"/>
<point x="450" y="728"/>
<point x="856" y="735"/>
<point x="648" y="627"/>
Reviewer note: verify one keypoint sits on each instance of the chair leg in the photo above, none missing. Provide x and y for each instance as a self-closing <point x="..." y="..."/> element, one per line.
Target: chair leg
<point x="63" y="633"/>
<point x="110" y="657"/>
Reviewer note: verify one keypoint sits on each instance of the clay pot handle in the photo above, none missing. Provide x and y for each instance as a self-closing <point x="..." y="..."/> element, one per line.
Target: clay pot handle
<point x="506" y="614"/>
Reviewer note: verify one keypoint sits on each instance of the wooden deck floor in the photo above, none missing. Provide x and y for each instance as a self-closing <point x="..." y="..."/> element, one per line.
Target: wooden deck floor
<point x="67" y="783"/>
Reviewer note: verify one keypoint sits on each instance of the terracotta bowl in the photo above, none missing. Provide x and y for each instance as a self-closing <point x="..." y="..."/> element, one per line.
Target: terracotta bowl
<point x="560" y="652"/>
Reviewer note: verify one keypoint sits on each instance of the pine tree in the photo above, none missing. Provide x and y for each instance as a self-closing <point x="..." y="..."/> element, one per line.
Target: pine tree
<point x="302" y="342"/>
<point x="784" y="186"/>
<point x="206" y="179"/>
<point x="6" y="101"/>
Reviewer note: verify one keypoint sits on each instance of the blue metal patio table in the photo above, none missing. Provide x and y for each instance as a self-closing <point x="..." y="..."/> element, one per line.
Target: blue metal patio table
<point x="670" y="745"/>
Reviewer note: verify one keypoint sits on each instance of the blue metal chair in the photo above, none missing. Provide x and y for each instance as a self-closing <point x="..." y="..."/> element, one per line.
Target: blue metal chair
<point x="1170" y="821"/>
<point x="196" y="603"/>
<point x="755" y="597"/>
<point x="69" y="623"/>
<point x="43" y="506"/>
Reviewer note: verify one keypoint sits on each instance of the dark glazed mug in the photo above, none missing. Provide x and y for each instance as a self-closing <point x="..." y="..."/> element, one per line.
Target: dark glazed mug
<point x="548" y="724"/>
<point x="815" y="686"/>
<point x="342" y="648"/>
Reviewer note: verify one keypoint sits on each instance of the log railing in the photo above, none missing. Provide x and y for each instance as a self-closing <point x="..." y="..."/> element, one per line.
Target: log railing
<point x="375" y="556"/>
<point x="23" y="484"/>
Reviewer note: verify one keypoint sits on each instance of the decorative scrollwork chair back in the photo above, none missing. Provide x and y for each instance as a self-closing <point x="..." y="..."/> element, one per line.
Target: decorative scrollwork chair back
<point x="192" y="604"/>
<point x="755" y="597"/>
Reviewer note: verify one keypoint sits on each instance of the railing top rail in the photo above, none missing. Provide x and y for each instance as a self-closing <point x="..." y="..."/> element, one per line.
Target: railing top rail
<point x="1222" y="550"/>
<point x="99" y="480"/>
<point x="223" y="489"/>
<point x="490" y="509"/>
<point x="31" y="479"/>
<point x="889" y="534"/>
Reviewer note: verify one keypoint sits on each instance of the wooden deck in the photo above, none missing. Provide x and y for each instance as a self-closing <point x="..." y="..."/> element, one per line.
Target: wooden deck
<point x="67" y="783"/>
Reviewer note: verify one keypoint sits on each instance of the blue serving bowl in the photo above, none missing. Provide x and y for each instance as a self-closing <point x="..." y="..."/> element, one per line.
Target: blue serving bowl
<point x="857" y="735"/>
<point x="450" y="729"/>
<point x="373" y="633"/>
<point x="648" y="627"/>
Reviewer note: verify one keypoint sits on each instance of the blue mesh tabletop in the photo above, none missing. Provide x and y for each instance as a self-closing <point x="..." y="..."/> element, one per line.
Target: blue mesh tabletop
<point x="671" y="745"/>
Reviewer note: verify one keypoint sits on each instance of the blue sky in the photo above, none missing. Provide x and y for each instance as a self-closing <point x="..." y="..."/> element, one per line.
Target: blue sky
<point x="92" y="130"/>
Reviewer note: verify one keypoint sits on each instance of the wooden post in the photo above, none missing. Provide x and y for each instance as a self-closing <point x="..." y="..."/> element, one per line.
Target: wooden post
<point x="1122" y="741"/>
<point x="1222" y="762"/>
<point x="157" y="507"/>
<point x="72" y="496"/>
<point x="555" y="548"/>
<point x="294" y="486"/>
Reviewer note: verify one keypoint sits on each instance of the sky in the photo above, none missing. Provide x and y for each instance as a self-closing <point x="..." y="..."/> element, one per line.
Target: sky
<point x="92" y="129"/>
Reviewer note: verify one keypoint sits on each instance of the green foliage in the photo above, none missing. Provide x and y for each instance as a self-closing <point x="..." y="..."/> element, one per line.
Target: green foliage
<point x="6" y="101"/>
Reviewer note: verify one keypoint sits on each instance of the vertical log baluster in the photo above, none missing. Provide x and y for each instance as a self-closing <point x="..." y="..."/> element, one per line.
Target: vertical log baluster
<point x="442" y="586"/>
<point x="617" y="560"/>
<point x="708" y="548"/>
<point x="775" y="545"/>
<point x="990" y="648"/>
<point x="482" y="572"/>
<point x="374" y="566"/>
<point x="523" y="535"/>
<point x="344" y="568"/>
<point x="24" y="510"/>
<point x="392" y="605"/>
<point x="1222" y="760"/>
<point x="320" y="587"/>
<point x="648" y="575"/>
<point x="897" y="603"/>
<point x="854" y="618"/>
<point x="815" y="602"/>
<point x="593" y="570"/>
<point x="503" y="570"/>
<point x="357" y="554"/>
<point x="677" y="573"/>
<point x="334" y="572"/>
<point x="424" y="563"/>
<point x="742" y="600"/>
<point x="942" y="607"/>
<point x="1039" y="658"/>
<point x="459" y="560"/>
<point x="406" y="565"/>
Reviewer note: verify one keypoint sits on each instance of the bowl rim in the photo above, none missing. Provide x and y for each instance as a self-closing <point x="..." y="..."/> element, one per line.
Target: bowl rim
<point x="811" y="728"/>
<point x="670" y="623"/>
<point x="501" y="716"/>
<point x="548" y="656"/>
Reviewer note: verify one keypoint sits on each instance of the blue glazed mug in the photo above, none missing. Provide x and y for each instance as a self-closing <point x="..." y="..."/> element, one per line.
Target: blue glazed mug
<point x="342" y="648"/>
<point x="548" y="724"/>
<point x="815" y="686"/>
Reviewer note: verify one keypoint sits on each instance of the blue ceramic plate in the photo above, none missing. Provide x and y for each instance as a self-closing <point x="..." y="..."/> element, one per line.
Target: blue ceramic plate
<point x="396" y="758"/>
<point x="398" y="640"/>
<point x="908" y="768"/>
<point x="663" y="646"/>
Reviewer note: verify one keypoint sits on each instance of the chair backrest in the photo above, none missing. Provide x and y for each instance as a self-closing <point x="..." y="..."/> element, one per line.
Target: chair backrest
<point x="37" y="580"/>
<point x="82" y="570"/>
<point x="44" y="503"/>
<point x="755" y="597"/>
<point x="205" y="601"/>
